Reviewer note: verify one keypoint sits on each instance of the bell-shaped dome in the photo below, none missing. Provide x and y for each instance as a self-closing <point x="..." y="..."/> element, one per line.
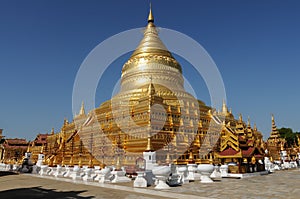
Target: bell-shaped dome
<point x="151" y="59"/>
<point x="151" y="43"/>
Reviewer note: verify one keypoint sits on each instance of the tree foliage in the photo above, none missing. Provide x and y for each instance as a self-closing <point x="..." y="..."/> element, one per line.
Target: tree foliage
<point x="289" y="135"/>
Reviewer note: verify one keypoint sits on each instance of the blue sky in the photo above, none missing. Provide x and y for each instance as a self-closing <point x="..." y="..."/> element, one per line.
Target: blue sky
<point x="255" y="45"/>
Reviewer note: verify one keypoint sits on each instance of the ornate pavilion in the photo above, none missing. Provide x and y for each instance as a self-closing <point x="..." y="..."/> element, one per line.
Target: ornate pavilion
<point x="13" y="150"/>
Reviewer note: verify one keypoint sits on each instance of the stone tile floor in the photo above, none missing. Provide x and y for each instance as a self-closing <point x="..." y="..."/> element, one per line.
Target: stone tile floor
<point x="281" y="184"/>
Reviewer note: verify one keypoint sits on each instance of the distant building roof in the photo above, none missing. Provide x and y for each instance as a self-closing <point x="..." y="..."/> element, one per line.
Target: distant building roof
<point x="16" y="141"/>
<point x="41" y="139"/>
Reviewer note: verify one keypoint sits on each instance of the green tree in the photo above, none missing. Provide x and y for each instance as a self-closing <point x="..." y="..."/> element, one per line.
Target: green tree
<point x="289" y="135"/>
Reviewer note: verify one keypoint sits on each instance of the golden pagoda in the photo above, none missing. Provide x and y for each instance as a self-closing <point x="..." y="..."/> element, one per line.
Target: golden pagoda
<point x="152" y="112"/>
<point x="275" y="143"/>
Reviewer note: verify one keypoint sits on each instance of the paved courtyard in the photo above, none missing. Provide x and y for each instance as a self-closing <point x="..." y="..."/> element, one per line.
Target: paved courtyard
<point x="282" y="184"/>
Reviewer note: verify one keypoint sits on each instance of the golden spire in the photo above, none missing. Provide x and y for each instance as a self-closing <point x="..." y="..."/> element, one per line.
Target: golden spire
<point x="150" y="17"/>
<point x="255" y="128"/>
<point x="118" y="164"/>
<point x="274" y="132"/>
<point x="248" y="124"/>
<point x="151" y="89"/>
<point x="224" y="107"/>
<point x="274" y="128"/>
<point x="82" y="111"/>
<point x="240" y="118"/>
<point x="273" y="120"/>
<point x="149" y="144"/>
<point x="66" y="121"/>
<point x="151" y="42"/>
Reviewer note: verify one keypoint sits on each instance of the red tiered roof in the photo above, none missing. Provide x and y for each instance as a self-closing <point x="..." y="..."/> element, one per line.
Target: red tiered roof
<point x="228" y="152"/>
<point x="248" y="152"/>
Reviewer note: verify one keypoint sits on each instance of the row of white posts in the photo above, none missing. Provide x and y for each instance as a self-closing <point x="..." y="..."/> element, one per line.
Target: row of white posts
<point x="161" y="176"/>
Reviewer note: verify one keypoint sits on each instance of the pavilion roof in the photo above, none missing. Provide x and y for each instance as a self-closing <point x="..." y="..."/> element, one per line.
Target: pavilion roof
<point x="228" y="152"/>
<point x="23" y="147"/>
<point x="16" y="141"/>
<point x="41" y="138"/>
<point x="248" y="152"/>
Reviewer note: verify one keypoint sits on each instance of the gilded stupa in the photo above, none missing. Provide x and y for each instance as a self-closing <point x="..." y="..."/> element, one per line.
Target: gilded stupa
<point x="275" y="143"/>
<point x="153" y="111"/>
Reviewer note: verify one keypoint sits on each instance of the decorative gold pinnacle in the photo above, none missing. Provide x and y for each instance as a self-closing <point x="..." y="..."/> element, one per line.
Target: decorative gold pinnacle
<point x="224" y="107"/>
<point x="248" y="123"/>
<point x="82" y="110"/>
<point x="150" y="17"/>
<point x="240" y="118"/>
<point x="274" y="128"/>
<point x="118" y="164"/>
<point x="149" y="145"/>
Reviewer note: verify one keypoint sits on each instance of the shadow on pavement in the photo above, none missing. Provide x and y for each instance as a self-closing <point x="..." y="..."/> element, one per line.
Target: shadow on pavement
<point x="38" y="192"/>
<point x="5" y="173"/>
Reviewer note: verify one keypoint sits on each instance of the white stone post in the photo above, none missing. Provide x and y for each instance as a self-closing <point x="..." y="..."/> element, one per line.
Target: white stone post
<point x="150" y="157"/>
<point x="182" y="172"/>
<point x="140" y="181"/>
<point x="224" y="170"/>
<point x="192" y="168"/>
